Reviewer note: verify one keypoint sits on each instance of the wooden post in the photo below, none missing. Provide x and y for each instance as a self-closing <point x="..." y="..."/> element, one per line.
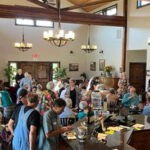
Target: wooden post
<point x="124" y="48"/>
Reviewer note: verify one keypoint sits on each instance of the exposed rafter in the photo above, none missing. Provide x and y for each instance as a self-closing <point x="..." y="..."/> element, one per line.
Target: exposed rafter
<point x="9" y="11"/>
<point x="87" y="4"/>
<point x="42" y="4"/>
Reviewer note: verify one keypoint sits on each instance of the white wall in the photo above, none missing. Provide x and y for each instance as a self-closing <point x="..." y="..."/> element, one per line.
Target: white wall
<point x="9" y="33"/>
<point x="108" y="39"/>
<point x="139" y="30"/>
<point x="135" y="56"/>
<point x="138" y="26"/>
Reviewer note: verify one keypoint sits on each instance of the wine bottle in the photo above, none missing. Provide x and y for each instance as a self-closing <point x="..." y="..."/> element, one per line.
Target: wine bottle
<point x="90" y="115"/>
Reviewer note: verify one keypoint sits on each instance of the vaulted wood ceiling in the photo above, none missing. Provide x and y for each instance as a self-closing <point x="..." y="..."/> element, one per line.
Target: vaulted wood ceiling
<point x="98" y="3"/>
<point x="45" y="11"/>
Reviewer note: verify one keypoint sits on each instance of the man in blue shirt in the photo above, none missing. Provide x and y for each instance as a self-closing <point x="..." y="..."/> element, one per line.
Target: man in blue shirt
<point x="26" y="80"/>
<point x="146" y="110"/>
<point x="130" y="99"/>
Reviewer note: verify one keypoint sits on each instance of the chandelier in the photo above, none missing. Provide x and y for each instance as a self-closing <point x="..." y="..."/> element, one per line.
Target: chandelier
<point x="59" y="38"/>
<point x="22" y="46"/>
<point x="89" y="48"/>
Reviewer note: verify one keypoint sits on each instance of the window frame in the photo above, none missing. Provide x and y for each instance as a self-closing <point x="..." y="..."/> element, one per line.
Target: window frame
<point x="34" y="22"/>
<point x="104" y="11"/>
<point x="141" y="5"/>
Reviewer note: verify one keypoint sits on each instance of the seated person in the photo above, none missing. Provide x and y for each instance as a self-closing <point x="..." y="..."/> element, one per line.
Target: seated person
<point x="112" y="98"/>
<point x="130" y="99"/>
<point x="68" y="113"/>
<point x="84" y="109"/>
<point x="146" y="110"/>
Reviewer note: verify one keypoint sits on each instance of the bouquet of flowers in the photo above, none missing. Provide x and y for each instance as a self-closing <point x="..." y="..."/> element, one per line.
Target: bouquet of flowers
<point x="108" y="68"/>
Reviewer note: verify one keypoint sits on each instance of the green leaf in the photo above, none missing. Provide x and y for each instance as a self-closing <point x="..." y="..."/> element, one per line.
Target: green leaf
<point x="60" y="73"/>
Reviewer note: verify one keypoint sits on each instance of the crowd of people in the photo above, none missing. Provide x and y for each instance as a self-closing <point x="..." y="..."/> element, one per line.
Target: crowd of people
<point x="34" y="121"/>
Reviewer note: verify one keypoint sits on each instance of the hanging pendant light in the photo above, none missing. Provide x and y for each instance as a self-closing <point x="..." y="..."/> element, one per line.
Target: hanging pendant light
<point x="89" y="48"/>
<point x="22" y="46"/>
<point x="59" y="38"/>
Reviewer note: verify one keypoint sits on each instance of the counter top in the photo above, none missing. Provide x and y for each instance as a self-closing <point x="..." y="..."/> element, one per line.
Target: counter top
<point x="117" y="141"/>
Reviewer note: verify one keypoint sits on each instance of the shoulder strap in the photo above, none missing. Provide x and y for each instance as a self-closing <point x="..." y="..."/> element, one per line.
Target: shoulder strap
<point x="27" y="114"/>
<point x="21" y="113"/>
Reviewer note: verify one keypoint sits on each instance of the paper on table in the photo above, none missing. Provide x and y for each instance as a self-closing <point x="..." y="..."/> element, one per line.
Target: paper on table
<point x="101" y="136"/>
<point x="138" y="126"/>
<point x="115" y="128"/>
<point x="71" y="137"/>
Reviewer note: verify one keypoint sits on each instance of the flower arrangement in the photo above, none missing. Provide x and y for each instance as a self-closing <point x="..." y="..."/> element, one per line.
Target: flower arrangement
<point x="108" y="68"/>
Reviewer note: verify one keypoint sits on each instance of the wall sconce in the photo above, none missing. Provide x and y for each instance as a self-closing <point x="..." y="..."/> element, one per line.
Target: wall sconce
<point x="148" y="41"/>
<point x="71" y="52"/>
<point x="101" y="51"/>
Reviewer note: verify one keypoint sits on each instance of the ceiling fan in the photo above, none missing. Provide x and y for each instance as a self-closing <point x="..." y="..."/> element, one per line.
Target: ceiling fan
<point x="49" y="2"/>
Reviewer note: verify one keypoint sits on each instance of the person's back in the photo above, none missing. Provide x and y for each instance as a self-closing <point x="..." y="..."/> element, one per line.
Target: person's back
<point x="112" y="98"/>
<point x="21" y="133"/>
<point x="7" y="104"/>
<point x="26" y="80"/>
<point x="6" y="99"/>
<point x="27" y="125"/>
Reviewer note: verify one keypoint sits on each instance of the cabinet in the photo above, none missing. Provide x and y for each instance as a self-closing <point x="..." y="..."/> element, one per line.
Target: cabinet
<point x="109" y="82"/>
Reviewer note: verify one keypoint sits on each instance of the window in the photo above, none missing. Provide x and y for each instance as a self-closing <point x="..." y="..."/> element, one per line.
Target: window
<point x="141" y="3"/>
<point x="27" y="22"/>
<point x="110" y="11"/>
<point x="36" y="23"/>
<point x="44" y="23"/>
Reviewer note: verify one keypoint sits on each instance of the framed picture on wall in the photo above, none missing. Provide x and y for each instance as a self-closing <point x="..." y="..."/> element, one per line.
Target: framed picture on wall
<point x="101" y="64"/>
<point x="92" y="66"/>
<point x="74" y="67"/>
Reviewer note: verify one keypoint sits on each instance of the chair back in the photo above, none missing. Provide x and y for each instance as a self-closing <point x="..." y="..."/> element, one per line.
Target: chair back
<point x="67" y="121"/>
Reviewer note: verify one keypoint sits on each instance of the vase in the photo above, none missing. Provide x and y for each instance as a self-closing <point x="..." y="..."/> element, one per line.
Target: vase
<point x="108" y="74"/>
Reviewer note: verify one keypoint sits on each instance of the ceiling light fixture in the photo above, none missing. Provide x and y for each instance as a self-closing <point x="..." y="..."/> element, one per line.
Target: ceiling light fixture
<point x="89" y="48"/>
<point x="59" y="38"/>
<point x="22" y="46"/>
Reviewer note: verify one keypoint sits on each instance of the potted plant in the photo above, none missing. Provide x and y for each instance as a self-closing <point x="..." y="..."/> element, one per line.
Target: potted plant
<point x="10" y="72"/>
<point x="107" y="70"/>
<point x="60" y="73"/>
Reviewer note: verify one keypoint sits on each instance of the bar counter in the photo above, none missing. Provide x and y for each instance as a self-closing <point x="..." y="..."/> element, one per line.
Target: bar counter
<point x="117" y="141"/>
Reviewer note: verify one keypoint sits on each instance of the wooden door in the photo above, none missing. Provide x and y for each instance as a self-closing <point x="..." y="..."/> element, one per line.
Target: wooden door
<point x="137" y="76"/>
<point x="26" y="67"/>
<point x="40" y="71"/>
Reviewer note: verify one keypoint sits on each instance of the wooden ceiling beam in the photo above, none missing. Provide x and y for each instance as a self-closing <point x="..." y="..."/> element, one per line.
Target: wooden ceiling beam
<point x="87" y="4"/>
<point x="42" y="4"/>
<point x="9" y="11"/>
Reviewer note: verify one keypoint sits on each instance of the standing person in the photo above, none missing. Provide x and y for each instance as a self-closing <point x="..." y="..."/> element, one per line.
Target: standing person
<point x="18" y="77"/>
<point x="23" y="95"/>
<point x="28" y="124"/>
<point x="123" y="80"/>
<point x="26" y="80"/>
<point x="72" y="93"/>
<point x="49" y="133"/>
<point x="6" y="103"/>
